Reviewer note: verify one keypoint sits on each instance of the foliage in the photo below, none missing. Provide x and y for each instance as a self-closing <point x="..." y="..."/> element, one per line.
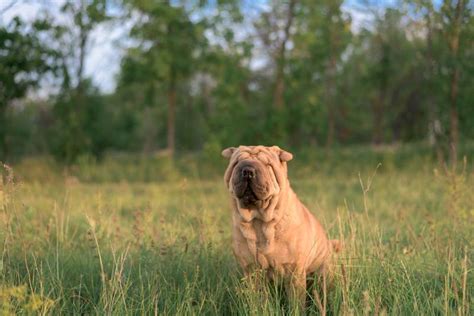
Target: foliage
<point x="23" y="59"/>
<point x="166" y="56"/>
<point x="82" y="125"/>
<point x="200" y="75"/>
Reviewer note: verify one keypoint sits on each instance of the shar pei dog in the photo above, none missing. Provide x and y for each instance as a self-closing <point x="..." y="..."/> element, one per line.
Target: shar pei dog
<point x="272" y="230"/>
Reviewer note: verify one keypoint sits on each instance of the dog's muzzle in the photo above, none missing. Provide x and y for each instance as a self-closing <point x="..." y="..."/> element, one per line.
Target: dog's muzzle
<point x="248" y="183"/>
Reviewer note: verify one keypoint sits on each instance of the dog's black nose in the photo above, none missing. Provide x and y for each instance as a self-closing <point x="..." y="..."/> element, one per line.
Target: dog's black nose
<point x="248" y="172"/>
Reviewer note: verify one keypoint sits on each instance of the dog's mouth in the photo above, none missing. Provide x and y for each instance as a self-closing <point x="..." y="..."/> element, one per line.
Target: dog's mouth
<point x="247" y="197"/>
<point x="250" y="192"/>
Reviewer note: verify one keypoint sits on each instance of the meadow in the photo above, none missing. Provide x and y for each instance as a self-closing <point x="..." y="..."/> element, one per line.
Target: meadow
<point x="146" y="235"/>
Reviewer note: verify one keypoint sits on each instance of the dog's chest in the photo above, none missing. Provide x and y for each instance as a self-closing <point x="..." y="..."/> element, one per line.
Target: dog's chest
<point x="259" y="243"/>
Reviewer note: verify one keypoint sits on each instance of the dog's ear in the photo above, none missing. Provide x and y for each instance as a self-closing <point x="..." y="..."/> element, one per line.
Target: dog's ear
<point x="227" y="153"/>
<point x="283" y="154"/>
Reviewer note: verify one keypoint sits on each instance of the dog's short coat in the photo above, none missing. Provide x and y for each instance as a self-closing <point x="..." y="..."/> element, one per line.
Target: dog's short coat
<point x="272" y="229"/>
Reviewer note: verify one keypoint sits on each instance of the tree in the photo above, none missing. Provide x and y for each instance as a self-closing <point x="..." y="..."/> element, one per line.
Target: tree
<point x="274" y="28"/>
<point x="200" y="74"/>
<point x="73" y="109"/>
<point x="446" y="48"/>
<point x="455" y="17"/>
<point x="23" y="59"/>
<point x="327" y="31"/>
<point x="321" y="34"/>
<point x="168" y="47"/>
<point x="431" y="54"/>
<point x="394" y="103"/>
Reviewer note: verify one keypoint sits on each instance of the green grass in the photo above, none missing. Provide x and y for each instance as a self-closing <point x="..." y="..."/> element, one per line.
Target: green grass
<point x="136" y="235"/>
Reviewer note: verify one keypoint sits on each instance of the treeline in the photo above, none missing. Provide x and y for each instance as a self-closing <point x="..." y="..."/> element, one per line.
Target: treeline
<point x="297" y="73"/>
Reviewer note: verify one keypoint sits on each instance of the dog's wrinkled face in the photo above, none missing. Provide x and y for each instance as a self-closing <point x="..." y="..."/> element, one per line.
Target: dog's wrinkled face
<point x="255" y="174"/>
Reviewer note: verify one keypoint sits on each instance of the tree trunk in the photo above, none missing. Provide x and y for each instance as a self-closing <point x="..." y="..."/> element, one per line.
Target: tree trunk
<point x="3" y="132"/>
<point x="279" y="89"/>
<point x="454" y="120"/>
<point x="278" y="93"/>
<point x="331" y="126"/>
<point x="82" y="56"/>
<point x="171" y="132"/>
<point x="83" y="37"/>
<point x="380" y="100"/>
<point x="435" y="127"/>
<point x="331" y="74"/>
<point x="377" y="116"/>
<point x="330" y="101"/>
<point x="454" y="48"/>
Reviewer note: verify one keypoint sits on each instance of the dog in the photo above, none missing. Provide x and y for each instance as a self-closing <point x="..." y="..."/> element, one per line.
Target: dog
<point x="273" y="230"/>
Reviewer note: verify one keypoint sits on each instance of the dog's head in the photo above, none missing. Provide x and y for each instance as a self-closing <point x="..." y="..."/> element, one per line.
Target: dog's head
<point x="255" y="174"/>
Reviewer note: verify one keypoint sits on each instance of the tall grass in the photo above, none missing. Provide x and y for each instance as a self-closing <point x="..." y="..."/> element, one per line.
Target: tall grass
<point x="101" y="239"/>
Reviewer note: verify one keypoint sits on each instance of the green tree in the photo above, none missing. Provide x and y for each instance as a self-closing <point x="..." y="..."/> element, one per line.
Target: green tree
<point x="448" y="72"/>
<point x="169" y="43"/>
<point x="77" y="104"/>
<point x="23" y="59"/>
<point x="393" y="78"/>
<point x="456" y="17"/>
<point x="274" y="29"/>
<point x="323" y="33"/>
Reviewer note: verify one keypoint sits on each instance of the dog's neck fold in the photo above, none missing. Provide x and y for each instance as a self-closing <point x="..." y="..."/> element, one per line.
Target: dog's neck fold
<point x="261" y="236"/>
<point x="272" y="208"/>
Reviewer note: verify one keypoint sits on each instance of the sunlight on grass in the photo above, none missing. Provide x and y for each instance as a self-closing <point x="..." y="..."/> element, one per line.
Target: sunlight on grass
<point x="128" y="247"/>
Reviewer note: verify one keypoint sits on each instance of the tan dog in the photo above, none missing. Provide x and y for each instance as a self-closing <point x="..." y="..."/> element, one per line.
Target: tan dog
<point x="272" y="229"/>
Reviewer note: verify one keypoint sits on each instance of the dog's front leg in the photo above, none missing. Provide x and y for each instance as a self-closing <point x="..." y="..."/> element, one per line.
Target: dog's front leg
<point x="255" y="278"/>
<point x="295" y="286"/>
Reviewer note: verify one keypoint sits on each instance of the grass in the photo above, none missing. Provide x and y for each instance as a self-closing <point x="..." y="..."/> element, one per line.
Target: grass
<point x="134" y="235"/>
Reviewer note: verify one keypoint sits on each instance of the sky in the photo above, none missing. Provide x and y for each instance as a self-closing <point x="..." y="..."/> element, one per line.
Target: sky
<point x="104" y="53"/>
<point x="106" y="49"/>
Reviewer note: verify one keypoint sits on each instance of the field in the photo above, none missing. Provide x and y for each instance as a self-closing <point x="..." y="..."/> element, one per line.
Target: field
<point x="144" y="235"/>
